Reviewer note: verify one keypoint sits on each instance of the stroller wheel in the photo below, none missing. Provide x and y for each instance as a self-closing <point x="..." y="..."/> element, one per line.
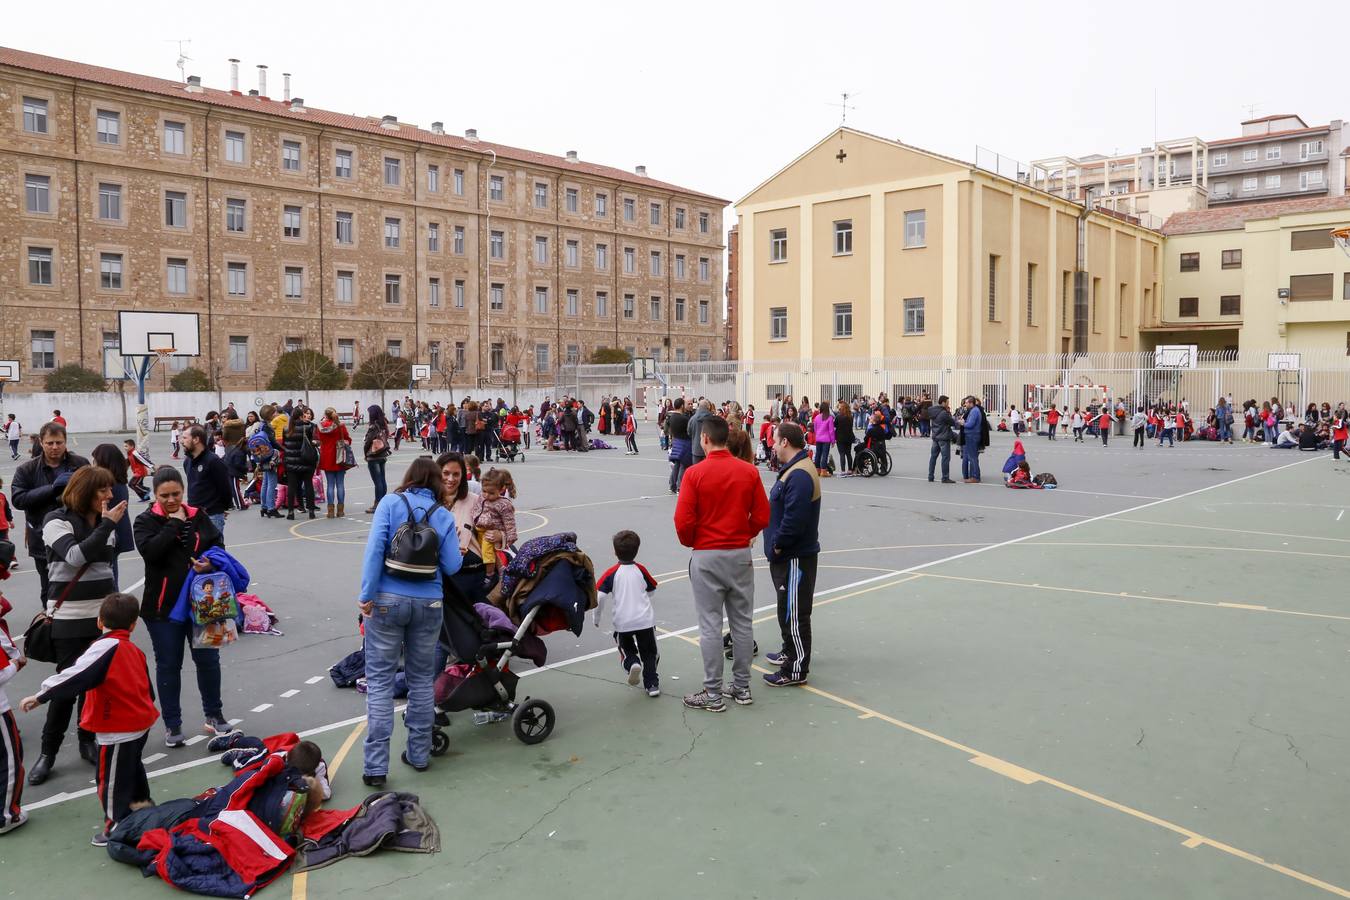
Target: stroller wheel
<point x="440" y="742"/>
<point x="533" y="721"/>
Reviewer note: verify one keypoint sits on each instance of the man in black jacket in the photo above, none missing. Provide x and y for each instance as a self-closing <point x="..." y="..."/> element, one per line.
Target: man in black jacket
<point x="792" y="545"/>
<point x="208" y="481"/>
<point x="677" y="428"/>
<point x="37" y="487"/>
<point x="940" y="423"/>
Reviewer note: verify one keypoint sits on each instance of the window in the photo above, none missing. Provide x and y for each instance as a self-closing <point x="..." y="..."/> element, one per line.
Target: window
<point x="540" y="249"/>
<point x="394" y="348"/>
<point x="393" y="289"/>
<point x="1230" y="305"/>
<point x="236" y="279"/>
<point x="1273" y="152"/>
<point x="541" y="357"/>
<point x="778" y="249"/>
<point x="1310" y="287"/>
<point x="602" y="256"/>
<point x="109" y="127"/>
<point x="459" y="293"/>
<point x="234" y="147"/>
<point x="573" y="354"/>
<point x="497" y="245"/>
<point x="342" y="164"/>
<point x="175" y="209"/>
<point x="679" y="354"/>
<point x="1273" y="181"/>
<point x="993" y="288"/>
<point x="703" y="229"/>
<point x="629" y="260"/>
<point x="433" y="237"/>
<point x="1317" y="239"/>
<point x="843" y="320"/>
<point x="1188" y="307"/>
<point x="34" y="117"/>
<point x="703" y="269"/>
<point x="235" y="218"/>
<point x="175" y="275"/>
<point x="654" y="263"/>
<point x="292" y="344"/>
<point x="497" y="357"/>
<point x="290" y="221"/>
<point x="540" y="195"/>
<point x="393" y="171"/>
<point x="460" y="348"/>
<point x="1031" y="294"/>
<point x="1218" y="159"/>
<point x="1249" y="184"/>
<point x="110" y="202"/>
<point x="654" y="214"/>
<point x="628" y="306"/>
<point x="914" y="315"/>
<point x="1230" y="259"/>
<point x="778" y="329"/>
<point x="704" y="312"/>
<point x="541" y="300"/>
<point x="843" y="237"/>
<point x="459" y="182"/>
<point x="37" y="193"/>
<point x="344" y="230"/>
<point x="433" y="179"/>
<point x="573" y="254"/>
<point x="602" y="304"/>
<point x="1221" y="189"/>
<point x="573" y="303"/>
<point x="346" y="354"/>
<point x="175" y="138"/>
<point x="1310" y="148"/>
<point x="293" y="278"/>
<point x="570" y="198"/>
<point x="704" y="355"/>
<point x="392" y="229"/>
<point x="1094" y="315"/>
<point x="602" y="205"/>
<point x="238" y="353"/>
<point x="497" y="298"/>
<point x="44" y="348"/>
<point x="496" y="188"/>
<point x="1345" y="288"/>
<point x="916" y="228"/>
<point x="1249" y="154"/>
<point x="679" y="309"/>
<point x="1306" y="179"/>
<point x="679" y="265"/>
<point x="346" y="284"/>
<point x="434" y="292"/>
<point x="458" y="245"/>
<point x="679" y="217"/>
<point x="1190" y="262"/>
<point x="629" y="209"/>
<point x="290" y="156"/>
<point x="110" y="271"/>
<point x="655" y="309"/>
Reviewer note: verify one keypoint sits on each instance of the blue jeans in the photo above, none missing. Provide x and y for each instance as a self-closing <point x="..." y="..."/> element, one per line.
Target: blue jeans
<point x="335" y="483"/>
<point x="218" y="520"/>
<point x="1225" y="430"/>
<point x="268" y="496"/>
<point x="1165" y="434"/>
<point x="410" y="626"/>
<point x="970" y="457"/>
<point x="941" y="450"/>
<point x="376" y="467"/>
<point x="168" y="640"/>
<point x="823" y="455"/>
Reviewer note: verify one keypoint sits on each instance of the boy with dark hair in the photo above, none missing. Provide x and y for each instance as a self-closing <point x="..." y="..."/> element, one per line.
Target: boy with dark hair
<point x="792" y="545"/>
<point x="630" y="586"/>
<point x="119" y="707"/>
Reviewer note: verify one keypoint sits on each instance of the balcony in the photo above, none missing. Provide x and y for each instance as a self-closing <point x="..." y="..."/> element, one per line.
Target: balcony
<point x="1263" y="165"/>
<point x="1261" y="194"/>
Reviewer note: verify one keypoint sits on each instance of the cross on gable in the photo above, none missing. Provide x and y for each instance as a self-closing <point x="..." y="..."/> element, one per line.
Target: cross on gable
<point x="841" y="155"/>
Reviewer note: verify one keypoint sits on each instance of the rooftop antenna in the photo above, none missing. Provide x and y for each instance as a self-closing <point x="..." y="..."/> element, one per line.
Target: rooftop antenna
<point x="183" y="58"/>
<point x="844" y="106"/>
<point x="1251" y="109"/>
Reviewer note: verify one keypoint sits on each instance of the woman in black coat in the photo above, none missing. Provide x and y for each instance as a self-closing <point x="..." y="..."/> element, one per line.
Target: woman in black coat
<point x="843" y="435"/>
<point x="302" y="458"/>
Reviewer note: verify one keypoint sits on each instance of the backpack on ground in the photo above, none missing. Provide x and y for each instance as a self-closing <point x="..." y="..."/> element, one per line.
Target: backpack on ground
<point x="415" y="549"/>
<point x="1045" y="480"/>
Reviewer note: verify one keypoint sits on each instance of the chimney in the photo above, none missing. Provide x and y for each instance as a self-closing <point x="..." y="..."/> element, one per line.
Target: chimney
<point x="438" y="128"/>
<point x="641" y="171"/>
<point x="234" y="76"/>
<point x="298" y="104"/>
<point x="286" y="87"/>
<point x="262" y="81"/>
<point x="194" y="84"/>
<point x="390" y="122"/>
<point x="253" y="92"/>
<point x="471" y="134"/>
<point x="571" y="156"/>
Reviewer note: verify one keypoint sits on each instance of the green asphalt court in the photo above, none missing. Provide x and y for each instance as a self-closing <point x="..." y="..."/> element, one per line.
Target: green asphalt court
<point x="1129" y="687"/>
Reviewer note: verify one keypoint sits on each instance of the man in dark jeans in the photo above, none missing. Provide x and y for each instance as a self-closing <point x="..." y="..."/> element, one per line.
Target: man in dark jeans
<point x="208" y="481"/>
<point x="940" y="424"/>
<point x="792" y="545"/>
<point x="37" y="487"/>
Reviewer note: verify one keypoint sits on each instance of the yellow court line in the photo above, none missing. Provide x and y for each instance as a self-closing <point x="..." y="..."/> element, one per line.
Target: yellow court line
<point x="1301" y="537"/>
<point x="1028" y="776"/>
<point x="300" y="880"/>
<point x="1182" y="547"/>
<point x="1117" y="595"/>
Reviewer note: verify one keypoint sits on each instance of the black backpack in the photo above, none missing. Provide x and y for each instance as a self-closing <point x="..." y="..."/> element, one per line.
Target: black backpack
<point x="415" y="549"/>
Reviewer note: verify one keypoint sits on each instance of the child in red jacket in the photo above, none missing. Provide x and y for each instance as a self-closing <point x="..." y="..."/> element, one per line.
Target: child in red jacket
<point x="119" y="707"/>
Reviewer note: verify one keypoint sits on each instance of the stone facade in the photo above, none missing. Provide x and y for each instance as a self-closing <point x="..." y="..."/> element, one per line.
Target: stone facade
<point x="248" y="226"/>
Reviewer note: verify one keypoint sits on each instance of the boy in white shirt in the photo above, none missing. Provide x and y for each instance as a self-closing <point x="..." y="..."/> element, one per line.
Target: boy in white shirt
<point x="629" y="586"/>
<point x="1078" y="425"/>
<point x="11" y="747"/>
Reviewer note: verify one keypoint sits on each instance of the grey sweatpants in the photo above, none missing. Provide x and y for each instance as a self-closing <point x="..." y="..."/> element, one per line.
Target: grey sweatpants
<point x="724" y="580"/>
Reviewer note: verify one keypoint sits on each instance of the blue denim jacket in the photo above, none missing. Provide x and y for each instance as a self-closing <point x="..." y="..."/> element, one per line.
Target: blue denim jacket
<point x="389" y="515"/>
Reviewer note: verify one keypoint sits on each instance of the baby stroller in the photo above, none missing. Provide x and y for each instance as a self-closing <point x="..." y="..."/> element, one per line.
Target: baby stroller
<point x="548" y="586"/>
<point x="506" y="444"/>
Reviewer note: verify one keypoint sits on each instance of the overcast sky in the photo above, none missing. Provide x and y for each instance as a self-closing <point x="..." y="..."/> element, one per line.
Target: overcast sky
<point x="718" y="96"/>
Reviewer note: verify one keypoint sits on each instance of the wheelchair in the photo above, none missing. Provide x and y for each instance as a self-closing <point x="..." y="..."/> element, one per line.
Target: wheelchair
<point x="869" y="461"/>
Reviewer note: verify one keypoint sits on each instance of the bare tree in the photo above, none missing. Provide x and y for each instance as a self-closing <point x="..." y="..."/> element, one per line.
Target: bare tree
<point x="514" y="349"/>
<point x="443" y="370"/>
<point x="381" y="370"/>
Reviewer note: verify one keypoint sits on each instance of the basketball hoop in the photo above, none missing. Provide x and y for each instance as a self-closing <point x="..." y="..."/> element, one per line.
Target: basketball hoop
<point x="1341" y="237"/>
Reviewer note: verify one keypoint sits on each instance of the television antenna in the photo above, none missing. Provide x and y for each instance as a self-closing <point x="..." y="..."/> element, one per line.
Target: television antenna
<point x="1251" y="109"/>
<point x="843" y="105"/>
<point x="183" y="58"/>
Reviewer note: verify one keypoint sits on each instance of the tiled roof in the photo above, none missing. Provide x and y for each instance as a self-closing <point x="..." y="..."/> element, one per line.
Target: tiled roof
<point x="65" y="68"/>
<point x="1274" y="134"/>
<point x="1232" y="218"/>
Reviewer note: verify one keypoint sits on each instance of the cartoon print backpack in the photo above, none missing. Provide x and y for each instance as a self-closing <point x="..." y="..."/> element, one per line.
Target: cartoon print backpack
<point x="214" y="608"/>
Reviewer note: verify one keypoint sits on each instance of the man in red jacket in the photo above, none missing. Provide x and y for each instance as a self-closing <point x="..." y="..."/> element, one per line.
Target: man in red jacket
<point x="722" y="507"/>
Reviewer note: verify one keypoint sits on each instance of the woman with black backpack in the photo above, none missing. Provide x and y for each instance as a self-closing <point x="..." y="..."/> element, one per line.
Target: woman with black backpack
<point x="413" y="543"/>
<point x="302" y="459"/>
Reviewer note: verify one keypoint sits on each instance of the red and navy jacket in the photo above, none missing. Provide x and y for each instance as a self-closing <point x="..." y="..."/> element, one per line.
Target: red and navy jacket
<point x="115" y="681"/>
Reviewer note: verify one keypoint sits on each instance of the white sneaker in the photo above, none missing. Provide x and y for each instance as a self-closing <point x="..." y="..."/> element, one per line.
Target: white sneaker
<point x="635" y="673"/>
<point x="22" y="818"/>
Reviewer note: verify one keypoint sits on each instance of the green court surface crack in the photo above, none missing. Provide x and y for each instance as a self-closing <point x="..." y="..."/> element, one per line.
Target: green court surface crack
<point x="1293" y="747"/>
<point x="693" y="738"/>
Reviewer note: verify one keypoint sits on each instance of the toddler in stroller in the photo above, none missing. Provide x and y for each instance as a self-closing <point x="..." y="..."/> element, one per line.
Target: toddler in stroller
<point x="547" y="587"/>
<point x="506" y="443"/>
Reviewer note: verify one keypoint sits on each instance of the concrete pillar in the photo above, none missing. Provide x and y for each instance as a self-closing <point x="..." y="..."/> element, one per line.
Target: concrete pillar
<point x="805" y="303"/>
<point x="876" y="313"/>
<point x="951" y="264"/>
<point x="1053" y="281"/>
<point x="1017" y="313"/>
<point x="748" y="306"/>
<point x="977" y="272"/>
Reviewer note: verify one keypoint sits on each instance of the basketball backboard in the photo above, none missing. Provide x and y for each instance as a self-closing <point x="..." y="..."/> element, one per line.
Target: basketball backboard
<point x="420" y="372"/>
<point x="1175" y="356"/>
<point x="150" y="333"/>
<point x="1278" y="361"/>
<point x="9" y="370"/>
<point x="114" y="365"/>
<point x="644" y="368"/>
<point x="1341" y="238"/>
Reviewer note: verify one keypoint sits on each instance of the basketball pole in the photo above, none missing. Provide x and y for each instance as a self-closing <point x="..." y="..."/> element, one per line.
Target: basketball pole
<point x="140" y="370"/>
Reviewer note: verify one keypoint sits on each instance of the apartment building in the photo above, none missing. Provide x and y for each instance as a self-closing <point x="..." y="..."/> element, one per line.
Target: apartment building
<point x="287" y="226"/>
<point x="867" y="247"/>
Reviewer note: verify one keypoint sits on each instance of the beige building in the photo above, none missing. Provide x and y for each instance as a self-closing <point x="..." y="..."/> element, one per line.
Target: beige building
<point x="285" y="226"/>
<point x="867" y="247"/>
<point x="1264" y="277"/>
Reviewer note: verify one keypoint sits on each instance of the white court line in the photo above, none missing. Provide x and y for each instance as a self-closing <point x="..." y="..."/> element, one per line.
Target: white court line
<point x="315" y="680"/>
<point x="286" y="695"/>
<point x="1339" y="514"/>
<point x="261" y="707"/>
<point x="131" y="587"/>
<point x="195" y="739"/>
<point x="153" y="758"/>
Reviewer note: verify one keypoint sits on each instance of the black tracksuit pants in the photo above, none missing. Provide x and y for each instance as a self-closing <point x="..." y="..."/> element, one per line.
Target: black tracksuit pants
<point x="121" y="778"/>
<point x="640" y="646"/>
<point x="794" y="581"/>
<point x="11" y="761"/>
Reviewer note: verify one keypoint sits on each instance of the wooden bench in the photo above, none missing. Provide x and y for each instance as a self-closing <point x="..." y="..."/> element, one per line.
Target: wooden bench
<point x="347" y="418"/>
<point x="184" y="421"/>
